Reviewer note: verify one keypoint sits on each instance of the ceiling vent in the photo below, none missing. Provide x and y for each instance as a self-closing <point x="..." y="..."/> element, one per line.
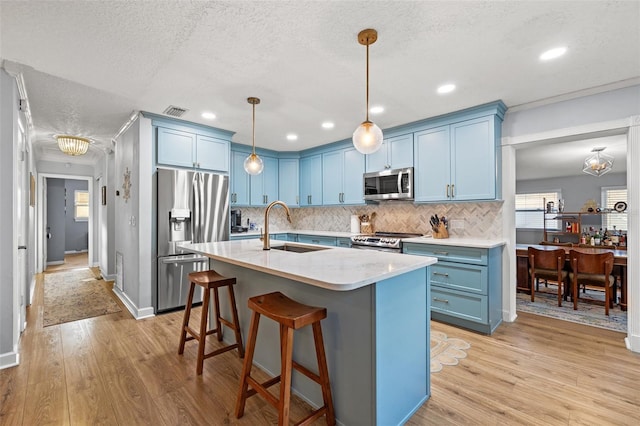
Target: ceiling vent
<point x="174" y="111"/>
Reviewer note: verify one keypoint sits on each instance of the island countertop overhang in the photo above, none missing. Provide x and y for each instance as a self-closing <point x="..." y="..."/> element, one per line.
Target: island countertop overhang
<point x="336" y="268"/>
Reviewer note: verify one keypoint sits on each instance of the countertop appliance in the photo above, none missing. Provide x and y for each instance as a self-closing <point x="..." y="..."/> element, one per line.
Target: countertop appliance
<point x="191" y="207"/>
<point x="392" y="184"/>
<point x="236" y="222"/>
<point x="382" y="241"/>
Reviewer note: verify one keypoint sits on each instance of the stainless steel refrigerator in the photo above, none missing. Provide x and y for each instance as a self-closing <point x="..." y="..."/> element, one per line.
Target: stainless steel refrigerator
<point x="192" y="207"/>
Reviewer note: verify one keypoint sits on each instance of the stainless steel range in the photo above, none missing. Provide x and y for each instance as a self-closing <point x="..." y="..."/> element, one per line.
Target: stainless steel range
<point x="383" y="241"/>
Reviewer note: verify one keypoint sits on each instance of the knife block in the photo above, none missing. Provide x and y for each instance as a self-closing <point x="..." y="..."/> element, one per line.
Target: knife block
<point x="441" y="232"/>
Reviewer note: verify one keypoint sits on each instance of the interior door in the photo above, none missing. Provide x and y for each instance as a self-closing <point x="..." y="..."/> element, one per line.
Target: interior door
<point x="21" y="226"/>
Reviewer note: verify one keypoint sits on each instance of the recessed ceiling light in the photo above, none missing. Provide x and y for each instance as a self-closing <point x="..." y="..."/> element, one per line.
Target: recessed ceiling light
<point x="208" y="115"/>
<point x="446" y="88"/>
<point x="328" y="125"/>
<point x="292" y="137"/>
<point x="378" y="109"/>
<point x="553" y="53"/>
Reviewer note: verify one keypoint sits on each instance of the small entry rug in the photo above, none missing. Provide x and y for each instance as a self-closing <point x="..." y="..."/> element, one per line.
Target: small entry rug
<point x="546" y="304"/>
<point x="446" y="351"/>
<point x="74" y="295"/>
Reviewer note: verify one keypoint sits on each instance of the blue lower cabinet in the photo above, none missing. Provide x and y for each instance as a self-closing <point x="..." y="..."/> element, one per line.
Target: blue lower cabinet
<point x="343" y="242"/>
<point x="466" y="285"/>
<point x="315" y="239"/>
<point x="234" y="237"/>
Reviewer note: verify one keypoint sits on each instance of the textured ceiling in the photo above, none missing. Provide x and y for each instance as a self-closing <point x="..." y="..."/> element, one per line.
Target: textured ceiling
<point x="88" y="65"/>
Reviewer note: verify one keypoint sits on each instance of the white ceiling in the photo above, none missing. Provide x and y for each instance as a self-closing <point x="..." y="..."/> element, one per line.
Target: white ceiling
<point x="87" y="65"/>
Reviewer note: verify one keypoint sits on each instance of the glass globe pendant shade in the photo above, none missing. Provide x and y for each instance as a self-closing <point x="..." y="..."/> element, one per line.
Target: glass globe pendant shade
<point x="253" y="164"/>
<point x="367" y="138"/>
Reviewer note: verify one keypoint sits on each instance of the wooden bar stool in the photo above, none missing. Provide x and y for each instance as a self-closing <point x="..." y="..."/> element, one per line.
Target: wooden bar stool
<point x="210" y="280"/>
<point x="291" y="316"/>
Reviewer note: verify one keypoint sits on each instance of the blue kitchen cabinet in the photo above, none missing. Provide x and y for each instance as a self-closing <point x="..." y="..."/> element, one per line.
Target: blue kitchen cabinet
<point x="175" y="147"/>
<point x="288" y="181"/>
<point x="456" y="162"/>
<point x="212" y="154"/>
<point x="395" y="153"/>
<point x="239" y="181"/>
<point x="186" y="149"/>
<point x="466" y="285"/>
<point x="311" y="180"/>
<point x="342" y="171"/>
<point x="343" y="242"/>
<point x="264" y="187"/>
<point x="317" y="239"/>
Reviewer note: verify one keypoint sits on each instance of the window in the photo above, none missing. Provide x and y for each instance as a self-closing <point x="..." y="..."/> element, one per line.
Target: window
<point x="610" y="196"/>
<point x="81" y="205"/>
<point x="530" y="210"/>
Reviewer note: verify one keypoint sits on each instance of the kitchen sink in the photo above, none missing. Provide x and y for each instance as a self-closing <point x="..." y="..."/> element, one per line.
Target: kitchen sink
<point x="298" y="249"/>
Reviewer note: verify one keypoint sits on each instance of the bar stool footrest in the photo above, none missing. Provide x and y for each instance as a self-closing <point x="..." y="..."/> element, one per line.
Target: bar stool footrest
<point x="261" y="388"/>
<point x="310" y="374"/>
<point x="220" y="351"/>
<point x="313" y="416"/>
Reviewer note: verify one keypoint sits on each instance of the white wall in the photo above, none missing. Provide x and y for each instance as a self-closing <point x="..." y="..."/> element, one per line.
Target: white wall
<point x="8" y="303"/>
<point x="134" y="221"/>
<point x="106" y="216"/>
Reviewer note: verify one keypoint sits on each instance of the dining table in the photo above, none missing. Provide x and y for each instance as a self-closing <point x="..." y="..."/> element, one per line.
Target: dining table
<point x="619" y="264"/>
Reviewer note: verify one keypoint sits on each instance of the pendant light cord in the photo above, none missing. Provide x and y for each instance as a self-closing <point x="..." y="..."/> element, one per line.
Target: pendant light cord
<point x="367" y="79"/>
<point x="253" y="122"/>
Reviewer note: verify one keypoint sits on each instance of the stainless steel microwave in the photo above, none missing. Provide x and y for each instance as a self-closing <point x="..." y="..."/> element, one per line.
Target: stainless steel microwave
<point x="393" y="184"/>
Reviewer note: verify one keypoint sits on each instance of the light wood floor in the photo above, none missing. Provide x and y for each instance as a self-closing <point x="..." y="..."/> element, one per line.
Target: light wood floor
<point x="71" y="261"/>
<point x="116" y="370"/>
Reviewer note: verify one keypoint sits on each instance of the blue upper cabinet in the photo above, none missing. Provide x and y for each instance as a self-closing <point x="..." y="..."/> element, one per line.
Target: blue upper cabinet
<point x="176" y="147"/>
<point x="212" y="154"/>
<point x="264" y="187"/>
<point x="432" y="173"/>
<point x="311" y="180"/>
<point x="288" y="181"/>
<point x="239" y="180"/>
<point x="457" y="162"/>
<point x="395" y="153"/>
<point x="342" y="171"/>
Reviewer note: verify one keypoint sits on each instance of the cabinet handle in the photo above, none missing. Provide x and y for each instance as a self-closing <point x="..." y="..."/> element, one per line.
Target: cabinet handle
<point x="447" y="191"/>
<point x="309" y="199"/>
<point x="435" y="299"/>
<point x="444" y="253"/>
<point x="452" y="186"/>
<point x="297" y="199"/>
<point x="315" y="241"/>
<point x="198" y="165"/>
<point x="441" y="274"/>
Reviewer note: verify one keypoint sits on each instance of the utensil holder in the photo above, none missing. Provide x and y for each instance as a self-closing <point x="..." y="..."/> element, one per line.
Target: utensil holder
<point x="366" y="228"/>
<point x="441" y="232"/>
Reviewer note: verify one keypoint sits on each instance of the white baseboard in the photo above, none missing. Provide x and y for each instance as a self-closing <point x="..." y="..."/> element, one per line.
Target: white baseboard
<point x="138" y="313"/>
<point x="632" y="342"/>
<point x="9" y="359"/>
<point x="55" y="262"/>
<point x="75" y="251"/>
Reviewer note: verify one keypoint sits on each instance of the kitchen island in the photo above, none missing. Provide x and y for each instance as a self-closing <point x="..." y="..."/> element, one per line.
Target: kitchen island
<point x="376" y="333"/>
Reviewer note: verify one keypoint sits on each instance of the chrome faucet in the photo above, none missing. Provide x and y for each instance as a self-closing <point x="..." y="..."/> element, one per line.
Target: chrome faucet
<point x="265" y="237"/>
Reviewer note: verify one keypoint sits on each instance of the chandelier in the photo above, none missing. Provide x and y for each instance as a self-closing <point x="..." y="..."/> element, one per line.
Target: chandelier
<point x="598" y="163"/>
<point x="73" y="145"/>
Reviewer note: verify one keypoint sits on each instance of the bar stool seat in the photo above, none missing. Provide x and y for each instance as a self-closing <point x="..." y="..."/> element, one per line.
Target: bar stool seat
<point x="290" y="315"/>
<point x="210" y="280"/>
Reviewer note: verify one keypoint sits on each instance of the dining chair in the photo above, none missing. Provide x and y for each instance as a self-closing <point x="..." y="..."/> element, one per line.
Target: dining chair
<point x="595" y="270"/>
<point x="548" y="265"/>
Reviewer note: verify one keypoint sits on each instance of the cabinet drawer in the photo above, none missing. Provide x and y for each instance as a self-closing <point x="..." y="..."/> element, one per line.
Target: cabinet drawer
<point x="315" y="239"/>
<point x="459" y="276"/>
<point x="343" y="242"/>
<point x="467" y="306"/>
<point x="472" y="255"/>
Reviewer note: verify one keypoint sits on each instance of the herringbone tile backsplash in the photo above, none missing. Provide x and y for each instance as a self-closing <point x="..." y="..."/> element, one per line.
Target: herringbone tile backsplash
<point x="477" y="220"/>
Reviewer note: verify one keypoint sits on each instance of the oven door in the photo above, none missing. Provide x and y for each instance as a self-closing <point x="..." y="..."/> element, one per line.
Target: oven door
<point x="385" y="249"/>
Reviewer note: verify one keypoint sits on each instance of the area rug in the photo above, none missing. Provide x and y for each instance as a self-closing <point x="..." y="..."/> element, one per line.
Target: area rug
<point x="546" y="304"/>
<point x="446" y="350"/>
<point x="74" y="295"/>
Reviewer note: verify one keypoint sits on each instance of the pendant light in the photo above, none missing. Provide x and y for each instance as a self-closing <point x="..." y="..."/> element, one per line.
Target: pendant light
<point x="73" y="145"/>
<point x="253" y="164"/>
<point x="368" y="137"/>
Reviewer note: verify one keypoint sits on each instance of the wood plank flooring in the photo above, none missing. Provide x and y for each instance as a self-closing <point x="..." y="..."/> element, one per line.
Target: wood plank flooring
<point x="114" y="370"/>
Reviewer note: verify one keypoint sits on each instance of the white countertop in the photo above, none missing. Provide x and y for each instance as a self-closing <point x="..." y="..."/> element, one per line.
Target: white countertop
<point x="335" y="268"/>
<point x="460" y="242"/>
<point x="297" y="231"/>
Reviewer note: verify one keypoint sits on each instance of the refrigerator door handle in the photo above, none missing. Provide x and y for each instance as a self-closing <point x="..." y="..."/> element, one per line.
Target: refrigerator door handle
<point x="183" y="259"/>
